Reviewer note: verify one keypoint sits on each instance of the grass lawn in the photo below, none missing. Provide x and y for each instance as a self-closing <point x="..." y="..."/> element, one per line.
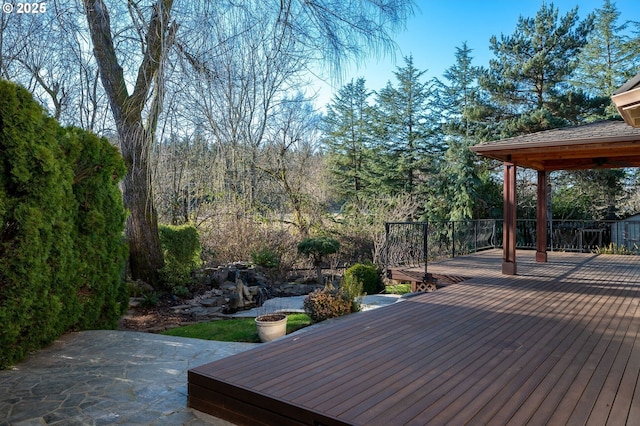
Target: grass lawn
<point x="234" y="330"/>
<point x="398" y="289"/>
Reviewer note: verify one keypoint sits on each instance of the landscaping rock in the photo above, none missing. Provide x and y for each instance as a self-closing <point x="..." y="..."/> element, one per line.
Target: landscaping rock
<point x="135" y="301"/>
<point x="211" y="302"/>
<point x="296" y="289"/>
<point x="228" y="289"/>
<point x="179" y="308"/>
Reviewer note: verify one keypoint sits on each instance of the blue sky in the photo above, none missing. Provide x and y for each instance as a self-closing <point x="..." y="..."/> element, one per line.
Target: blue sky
<point x="439" y="26"/>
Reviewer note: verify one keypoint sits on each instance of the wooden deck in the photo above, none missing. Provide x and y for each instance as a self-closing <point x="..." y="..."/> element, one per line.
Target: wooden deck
<point x="557" y="344"/>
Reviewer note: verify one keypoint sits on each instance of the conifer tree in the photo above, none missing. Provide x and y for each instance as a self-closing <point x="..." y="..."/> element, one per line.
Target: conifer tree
<point x="348" y="139"/>
<point x="457" y="99"/>
<point x="459" y="95"/>
<point x="527" y="78"/>
<point x="404" y="133"/>
<point x="610" y="58"/>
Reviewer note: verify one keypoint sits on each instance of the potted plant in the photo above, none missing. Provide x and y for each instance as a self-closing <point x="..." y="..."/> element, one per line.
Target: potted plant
<point x="271" y="326"/>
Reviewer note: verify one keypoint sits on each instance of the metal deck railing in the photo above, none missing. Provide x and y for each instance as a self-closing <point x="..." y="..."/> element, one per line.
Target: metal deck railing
<point x="413" y="244"/>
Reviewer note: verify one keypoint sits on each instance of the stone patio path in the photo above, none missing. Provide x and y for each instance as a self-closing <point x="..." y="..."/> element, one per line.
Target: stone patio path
<point x="106" y="377"/>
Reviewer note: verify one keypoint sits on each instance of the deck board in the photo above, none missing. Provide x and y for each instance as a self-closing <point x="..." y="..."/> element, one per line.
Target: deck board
<point x="623" y="395"/>
<point x="613" y="378"/>
<point x="554" y="375"/>
<point x="559" y="343"/>
<point x="545" y="377"/>
<point x="441" y="355"/>
<point x="516" y="389"/>
<point x="589" y="383"/>
<point x="488" y="377"/>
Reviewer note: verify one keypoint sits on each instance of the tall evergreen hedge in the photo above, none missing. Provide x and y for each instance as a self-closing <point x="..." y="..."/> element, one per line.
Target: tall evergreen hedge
<point x="99" y="245"/>
<point x="61" y="223"/>
<point x="181" y="248"/>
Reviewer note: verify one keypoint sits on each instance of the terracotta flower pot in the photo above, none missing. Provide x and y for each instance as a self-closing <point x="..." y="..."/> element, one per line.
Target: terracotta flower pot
<point x="271" y="326"/>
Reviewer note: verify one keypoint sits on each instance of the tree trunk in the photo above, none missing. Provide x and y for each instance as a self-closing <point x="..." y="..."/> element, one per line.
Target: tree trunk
<point x="319" y="276"/>
<point x="145" y="254"/>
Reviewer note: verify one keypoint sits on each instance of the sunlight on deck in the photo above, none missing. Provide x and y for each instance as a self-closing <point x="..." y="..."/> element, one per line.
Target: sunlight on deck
<point x="552" y="344"/>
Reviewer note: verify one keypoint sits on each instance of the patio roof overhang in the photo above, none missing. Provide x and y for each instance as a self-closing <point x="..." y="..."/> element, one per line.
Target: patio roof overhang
<point x="600" y="145"/>
<point x="604" y="144"/>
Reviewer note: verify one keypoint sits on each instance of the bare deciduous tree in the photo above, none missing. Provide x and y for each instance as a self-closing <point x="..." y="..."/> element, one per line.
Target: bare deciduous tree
<point x="293" y="143"/>
<point x="156" y="34"/>
<point x="47" y="54"/>
<point x="138" y="43"/>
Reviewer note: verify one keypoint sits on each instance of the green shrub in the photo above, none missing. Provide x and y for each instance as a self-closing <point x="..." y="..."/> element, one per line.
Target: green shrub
<point x="317" y="247"/>
<point x="181" y="246"/>
<point x="61" y="223"/>
<point x="134" y="289"/>
<point x="352" y="289"/>
<point x="368" y="275"/>
<point x="181" y="291"/>
<point x="327" y="303"/>
<point x="265" y="257"/>
<point x="99" y="244"/>
<point x="149" y="300"/>
<point x="36" y="249"/>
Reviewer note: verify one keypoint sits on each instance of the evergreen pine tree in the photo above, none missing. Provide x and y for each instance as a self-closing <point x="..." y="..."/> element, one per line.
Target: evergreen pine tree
<point x="457" y="99"/>
<point x="458" y="96"/>
<point x="527" y="80"/>
<point x="609" y="59"/>
<point x="407" y="151"/>
<point x="347" y="127"/>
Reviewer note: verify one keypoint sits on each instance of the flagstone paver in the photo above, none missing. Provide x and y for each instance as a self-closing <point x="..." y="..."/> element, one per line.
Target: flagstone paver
<point x="105" y="377"/>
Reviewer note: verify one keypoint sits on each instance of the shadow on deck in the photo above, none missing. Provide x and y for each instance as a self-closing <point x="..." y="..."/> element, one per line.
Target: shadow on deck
<point x="557" y="344"/>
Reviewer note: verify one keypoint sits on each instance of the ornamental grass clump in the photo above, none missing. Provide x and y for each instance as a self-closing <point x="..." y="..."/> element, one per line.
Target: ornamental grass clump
<point x="352" y="289"/>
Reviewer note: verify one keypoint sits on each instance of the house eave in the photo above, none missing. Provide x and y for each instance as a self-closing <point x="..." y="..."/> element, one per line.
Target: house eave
<point x="628" y="106"/>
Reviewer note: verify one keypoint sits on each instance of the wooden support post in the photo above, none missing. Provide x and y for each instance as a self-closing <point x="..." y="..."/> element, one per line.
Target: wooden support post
<point x="541" y="223"/>
<point x="425" y="248"/>
<point x="509" y="266"/>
